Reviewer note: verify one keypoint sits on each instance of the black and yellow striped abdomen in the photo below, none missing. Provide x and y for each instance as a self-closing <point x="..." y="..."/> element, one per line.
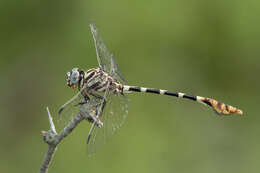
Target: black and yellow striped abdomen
<point x="218" y="107"/>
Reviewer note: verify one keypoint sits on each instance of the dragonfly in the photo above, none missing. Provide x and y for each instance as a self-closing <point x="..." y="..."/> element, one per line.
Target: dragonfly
<point x="102" y="99"/>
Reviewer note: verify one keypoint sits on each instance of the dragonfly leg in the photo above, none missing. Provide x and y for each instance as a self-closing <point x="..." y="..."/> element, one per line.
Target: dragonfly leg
<point x="96" y="112"/>
<point x="71" y="100"/>
<point x="90" y="132"/>
<point x="86" y="99"/>
<point x="101" y="98"/>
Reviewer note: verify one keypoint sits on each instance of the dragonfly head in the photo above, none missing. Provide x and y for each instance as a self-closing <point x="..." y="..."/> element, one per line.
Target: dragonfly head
<point x="74" y="77"/>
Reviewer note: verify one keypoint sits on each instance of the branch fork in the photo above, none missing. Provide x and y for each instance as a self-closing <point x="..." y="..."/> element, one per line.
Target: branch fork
<point x="52" y="138"/>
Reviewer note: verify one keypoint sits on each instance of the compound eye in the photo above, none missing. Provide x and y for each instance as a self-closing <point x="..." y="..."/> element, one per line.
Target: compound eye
<point x="74" y="77"/>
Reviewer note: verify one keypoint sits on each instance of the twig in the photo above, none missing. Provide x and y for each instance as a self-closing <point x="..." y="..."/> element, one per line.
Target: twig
<point x="53" y="139"/>
<point x="51" y="121"/>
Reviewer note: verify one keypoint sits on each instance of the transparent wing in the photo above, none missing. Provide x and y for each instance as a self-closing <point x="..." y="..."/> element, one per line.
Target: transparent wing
<point x="116" y="109"/>
<point x="103" y="55"/>
<point x="105" y="59"/>
<point x="113" y="117"/>
<point x="69" y="109"/>
<point x="115" y="72"/>
<point x="116" y="114"/>
<point x="90" y="109"/>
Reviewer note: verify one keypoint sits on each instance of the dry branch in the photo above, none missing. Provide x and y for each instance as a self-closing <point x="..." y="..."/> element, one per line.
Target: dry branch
<point x="52" y="138"/>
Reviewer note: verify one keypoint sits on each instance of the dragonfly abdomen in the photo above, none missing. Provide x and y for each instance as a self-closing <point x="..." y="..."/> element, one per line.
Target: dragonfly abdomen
<point x="218" y="107"/>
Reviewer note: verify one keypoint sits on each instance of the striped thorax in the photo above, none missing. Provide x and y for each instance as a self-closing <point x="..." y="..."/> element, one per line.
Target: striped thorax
<point x="94" y="79"/>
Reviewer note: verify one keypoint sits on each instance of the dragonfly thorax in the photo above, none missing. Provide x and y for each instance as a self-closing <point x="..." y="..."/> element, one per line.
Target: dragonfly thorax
<point x="98" y="80"/>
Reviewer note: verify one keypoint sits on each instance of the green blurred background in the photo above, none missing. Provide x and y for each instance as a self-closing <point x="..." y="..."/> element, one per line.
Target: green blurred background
<point x="209" y="48"/>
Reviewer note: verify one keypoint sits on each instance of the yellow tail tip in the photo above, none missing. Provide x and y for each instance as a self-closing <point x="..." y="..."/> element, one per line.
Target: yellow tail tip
<point x="222" y="108"/>
<point x="239" y="112"/>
